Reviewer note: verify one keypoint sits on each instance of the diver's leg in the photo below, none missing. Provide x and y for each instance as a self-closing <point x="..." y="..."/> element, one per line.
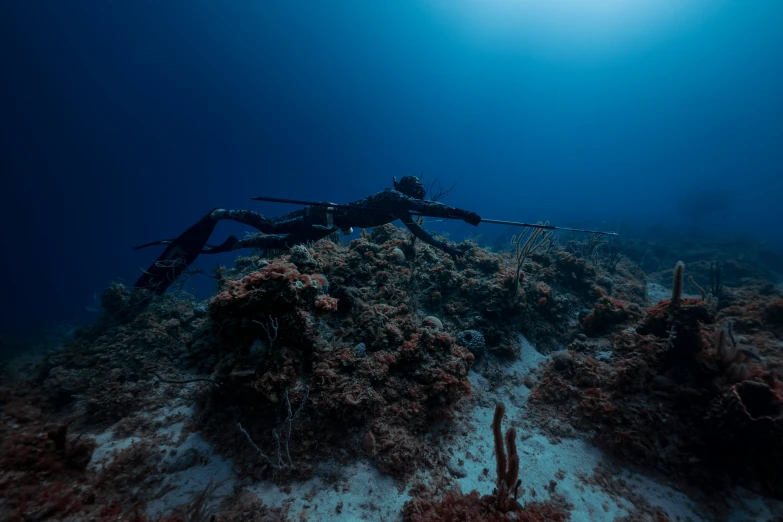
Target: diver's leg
<point x="247" y="217"/>
<point x="290" y="223"/>
<point x="179" y="254"/>
<point x="183" y="250"/>
<point x="281" y="241"/>
<point x="273" y="241"/>
<point x="225" y="246"/>
<point x="293" y="222"/>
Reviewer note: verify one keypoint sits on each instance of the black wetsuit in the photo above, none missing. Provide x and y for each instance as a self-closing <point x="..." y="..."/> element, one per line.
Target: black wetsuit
<point x="314" y="223"/>
<point x="308" y="224"/>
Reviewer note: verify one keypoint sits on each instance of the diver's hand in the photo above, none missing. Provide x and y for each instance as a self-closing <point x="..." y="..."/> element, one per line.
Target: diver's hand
<point x="472" y="218"/>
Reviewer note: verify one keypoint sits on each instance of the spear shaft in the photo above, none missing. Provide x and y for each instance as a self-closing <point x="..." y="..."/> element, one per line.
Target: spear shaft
<point x="547" y="227"/>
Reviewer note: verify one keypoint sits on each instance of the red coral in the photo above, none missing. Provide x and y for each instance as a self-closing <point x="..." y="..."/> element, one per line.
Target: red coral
<point x="607" y="312"/>
<point x="276" y="290"/>
<point x="543" y="289"/>
<point x="326" y="304"/>
<point x="40" y="464"/>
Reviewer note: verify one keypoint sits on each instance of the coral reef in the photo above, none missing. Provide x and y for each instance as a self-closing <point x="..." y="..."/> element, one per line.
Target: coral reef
<point x="337" y="353"/>
<point x="409" y="372"/>
<point x="684" y="388"/>
<point x="43" y="466"/>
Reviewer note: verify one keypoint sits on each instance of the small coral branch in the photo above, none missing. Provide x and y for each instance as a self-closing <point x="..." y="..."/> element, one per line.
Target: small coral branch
<point x="271" y="330"/>
<point x="732" y="357"/>
<point x="439" y="193"/>
<point x="716" y="286"/>
<point x="500" y="454"/>
<point x="507" y="459"/>
<point x="284" y="460"/>
<point x="677" y="282"/>
<point x="711" y="297"/>
<point x="614" y="247"/>
<point x="588" y="249"/>
<point x="702" y="291"/>
<point x="725" y="345"/>
<point x="537" y="239"/>
<point x="258" y="450"/>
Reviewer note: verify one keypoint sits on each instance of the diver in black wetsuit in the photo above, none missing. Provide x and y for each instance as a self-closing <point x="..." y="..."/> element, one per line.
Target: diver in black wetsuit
<point x="308" y="224"/>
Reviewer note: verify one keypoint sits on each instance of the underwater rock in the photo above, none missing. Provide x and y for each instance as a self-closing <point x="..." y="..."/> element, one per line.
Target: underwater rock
<point x="120" y="303"/>
<point x="473" y="340"/>
<point x="659" y="382"/>
<point x="433" y="322"/>
<point x="745" y="426"/>
<point x="774" y="312"/>
<point x="562" y="360"/>
<point x="62" y="384"/>
<point x="605" y="282"/>
<point x="115" y="298"/>
<point x="302" y="258"/>
<point x="606" y="313"/>
<point x="456" y="470"/>
<point x="382" y="234"/>
<point x="182" y="461"/>
<point x="200" y="310"/>
<point x="295" y="294"/>
<point x="397" y="256"/>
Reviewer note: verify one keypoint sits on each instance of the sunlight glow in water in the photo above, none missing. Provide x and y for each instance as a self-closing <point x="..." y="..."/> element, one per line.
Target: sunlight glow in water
<point x="594" y="14"/>
<point x="581" y="24"/>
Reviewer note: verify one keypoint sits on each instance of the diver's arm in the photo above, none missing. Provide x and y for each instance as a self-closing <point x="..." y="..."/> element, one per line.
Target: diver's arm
<point x="422" y="234"/>
<point x="435" y="209"/>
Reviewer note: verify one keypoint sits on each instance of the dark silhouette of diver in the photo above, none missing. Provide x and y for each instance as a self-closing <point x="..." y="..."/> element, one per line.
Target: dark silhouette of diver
<point x="308" y="224"/>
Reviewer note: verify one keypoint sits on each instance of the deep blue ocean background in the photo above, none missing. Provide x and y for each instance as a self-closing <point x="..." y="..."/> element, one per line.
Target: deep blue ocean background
<point x="125" y="122"/>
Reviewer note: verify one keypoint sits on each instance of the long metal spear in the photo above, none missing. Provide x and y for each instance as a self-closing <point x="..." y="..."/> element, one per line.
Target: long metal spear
<point x="547" y="227"/>
<point x="414" y="213"/>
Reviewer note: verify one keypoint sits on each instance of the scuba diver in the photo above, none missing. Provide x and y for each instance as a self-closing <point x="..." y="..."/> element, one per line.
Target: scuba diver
<point x="311" y="223"/>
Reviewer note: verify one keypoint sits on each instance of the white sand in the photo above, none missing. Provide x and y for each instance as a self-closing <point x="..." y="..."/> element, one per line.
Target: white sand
<point x="359" y="492"/>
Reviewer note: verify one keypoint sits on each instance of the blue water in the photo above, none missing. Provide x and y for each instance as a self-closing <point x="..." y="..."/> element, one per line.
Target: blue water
<point x="124" y="122"/>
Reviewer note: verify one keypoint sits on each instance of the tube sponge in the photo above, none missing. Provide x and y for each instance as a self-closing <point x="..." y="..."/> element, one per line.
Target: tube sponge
<point x="677" y="282"/>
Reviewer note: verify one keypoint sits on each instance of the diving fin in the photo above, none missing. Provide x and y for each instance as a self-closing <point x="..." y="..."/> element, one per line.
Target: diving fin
<point x="177" y="257"/>
<point x="154" y="243"/>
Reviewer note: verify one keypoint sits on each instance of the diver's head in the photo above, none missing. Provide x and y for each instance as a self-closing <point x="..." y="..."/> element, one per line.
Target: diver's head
<point x="411" y="186"/>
